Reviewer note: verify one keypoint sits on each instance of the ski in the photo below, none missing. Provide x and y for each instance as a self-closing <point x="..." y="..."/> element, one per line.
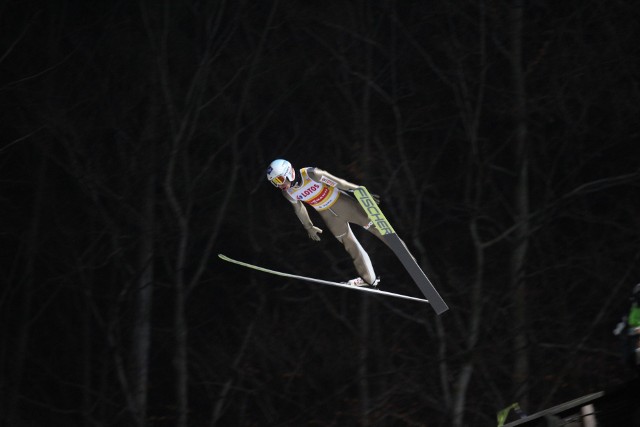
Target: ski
<point x="323" y="282"/>
<point x="399" y="248"/>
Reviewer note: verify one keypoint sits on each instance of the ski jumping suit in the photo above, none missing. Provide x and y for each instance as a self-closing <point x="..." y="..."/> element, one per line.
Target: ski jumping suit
<point x="325" y="193"/>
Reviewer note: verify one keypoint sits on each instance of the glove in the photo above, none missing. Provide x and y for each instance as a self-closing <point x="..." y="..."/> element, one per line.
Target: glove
<point x="314" y="233"/>
<point x="619" y="328"/>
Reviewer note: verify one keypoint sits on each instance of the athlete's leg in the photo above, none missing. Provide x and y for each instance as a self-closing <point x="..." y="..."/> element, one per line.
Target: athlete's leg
<point x="361" y="261"/>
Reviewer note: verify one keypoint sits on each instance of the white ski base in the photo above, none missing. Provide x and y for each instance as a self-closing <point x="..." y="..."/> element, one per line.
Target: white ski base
<point x="323" y="282"/>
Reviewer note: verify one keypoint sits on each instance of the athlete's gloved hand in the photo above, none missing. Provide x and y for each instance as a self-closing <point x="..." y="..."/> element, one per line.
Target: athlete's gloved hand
<point x="314" y="233"/>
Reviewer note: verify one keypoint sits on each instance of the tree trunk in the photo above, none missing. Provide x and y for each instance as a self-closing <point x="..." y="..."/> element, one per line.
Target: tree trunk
<point x="521" y="209"/>
<point x="144" y="297"/>
<point x="474" y="323"/>
<point x="20" y="349"/>
<point x="364" y="387"/>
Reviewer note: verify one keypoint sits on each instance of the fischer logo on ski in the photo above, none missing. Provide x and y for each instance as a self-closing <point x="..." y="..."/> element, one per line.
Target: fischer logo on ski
<point x="373" y="211"/>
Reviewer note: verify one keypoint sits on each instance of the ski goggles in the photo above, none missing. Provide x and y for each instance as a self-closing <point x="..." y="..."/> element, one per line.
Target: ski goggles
<point x="279" y="180"/>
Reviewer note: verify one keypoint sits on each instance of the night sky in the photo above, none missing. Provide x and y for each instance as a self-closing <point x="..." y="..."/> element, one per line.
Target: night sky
<point x="500" y="135"/>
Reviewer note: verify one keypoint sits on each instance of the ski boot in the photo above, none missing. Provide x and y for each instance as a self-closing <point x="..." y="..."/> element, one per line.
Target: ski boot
<point x="359" y="281"/>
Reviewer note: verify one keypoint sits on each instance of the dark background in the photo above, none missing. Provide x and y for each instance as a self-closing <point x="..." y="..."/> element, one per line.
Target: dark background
<point x="501" y="136"/>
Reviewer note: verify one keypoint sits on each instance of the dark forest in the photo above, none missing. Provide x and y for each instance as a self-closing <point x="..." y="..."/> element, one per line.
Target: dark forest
<point x="501" y="136"/>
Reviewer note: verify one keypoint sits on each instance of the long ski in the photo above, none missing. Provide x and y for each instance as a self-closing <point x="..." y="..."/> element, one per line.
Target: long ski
<point x="323" y="282"/>
<point x="399" y="248"/>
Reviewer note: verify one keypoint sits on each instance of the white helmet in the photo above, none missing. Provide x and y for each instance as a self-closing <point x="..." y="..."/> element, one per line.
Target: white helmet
<point x="279" y="171"/>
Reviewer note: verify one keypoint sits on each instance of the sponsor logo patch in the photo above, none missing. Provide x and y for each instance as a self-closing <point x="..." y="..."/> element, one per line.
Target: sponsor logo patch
<point x="309" y="191"/>
<point x="328" y="181"/>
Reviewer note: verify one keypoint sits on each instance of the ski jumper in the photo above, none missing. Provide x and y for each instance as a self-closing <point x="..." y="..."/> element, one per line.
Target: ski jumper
<point x="326" y="194"/>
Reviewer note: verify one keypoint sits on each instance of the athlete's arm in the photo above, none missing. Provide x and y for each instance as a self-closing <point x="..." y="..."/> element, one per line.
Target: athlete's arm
<point x="301" y="212"/>
<point x="333" y="181"/>
<point x="325" y="177"/>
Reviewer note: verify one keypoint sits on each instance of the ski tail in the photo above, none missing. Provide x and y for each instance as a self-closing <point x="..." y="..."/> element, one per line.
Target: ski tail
<point x="396" y="244"/>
